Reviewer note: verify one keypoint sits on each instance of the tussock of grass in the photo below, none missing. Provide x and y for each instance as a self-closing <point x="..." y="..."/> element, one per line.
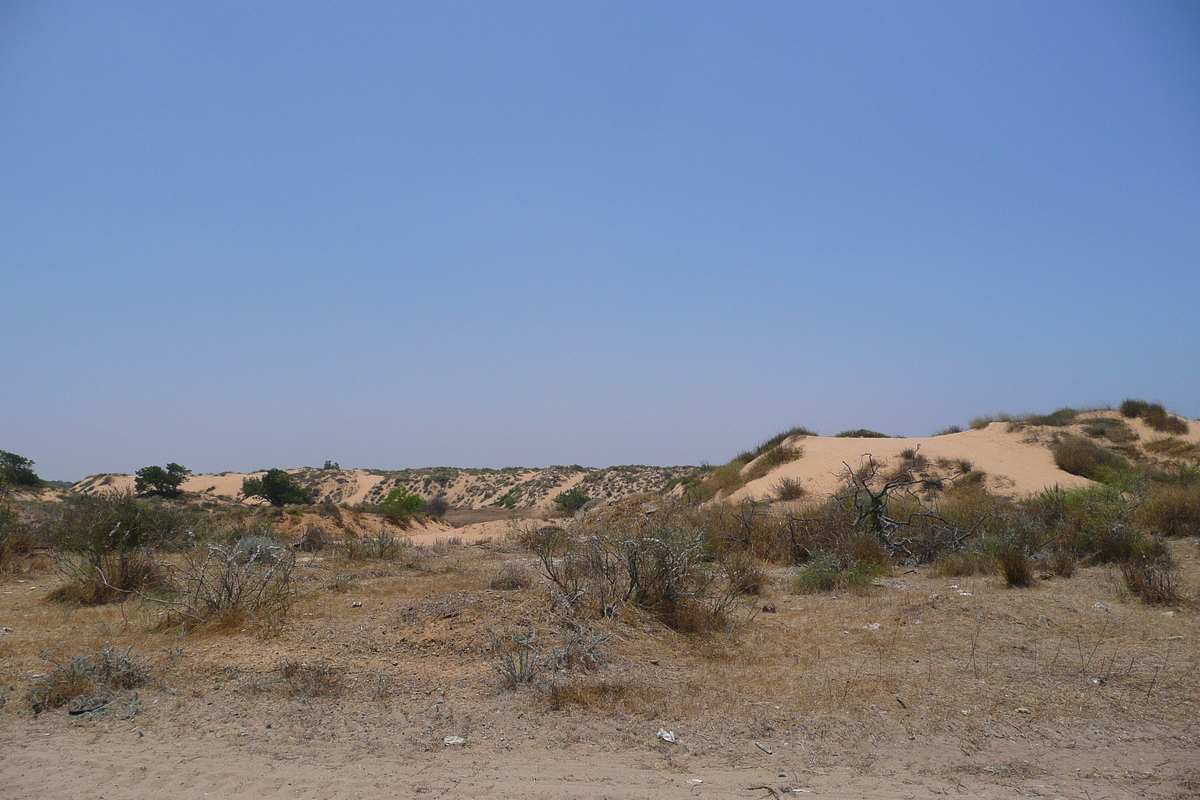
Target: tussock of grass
<point x="1154" y="415"/>
<point x="861" y="433"/>
<point x="95" y="675"/>
<point x="1080" y="456"/>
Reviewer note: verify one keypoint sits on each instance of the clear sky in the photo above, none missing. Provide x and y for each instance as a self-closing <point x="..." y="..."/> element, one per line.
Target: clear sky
<point x="243" y="235"/>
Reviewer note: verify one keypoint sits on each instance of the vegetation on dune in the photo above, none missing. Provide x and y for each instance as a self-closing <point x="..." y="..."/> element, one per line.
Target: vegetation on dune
<point x="278" y="488"/>
<point x="17" y="470"/>
<point x="161" y="481"/>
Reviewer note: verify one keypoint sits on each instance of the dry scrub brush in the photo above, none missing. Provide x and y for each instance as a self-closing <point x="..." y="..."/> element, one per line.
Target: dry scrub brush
<point x="93" y="676"/>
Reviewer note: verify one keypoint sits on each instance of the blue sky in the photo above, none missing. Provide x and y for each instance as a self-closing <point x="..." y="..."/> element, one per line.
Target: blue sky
<point x="239" y="235"/>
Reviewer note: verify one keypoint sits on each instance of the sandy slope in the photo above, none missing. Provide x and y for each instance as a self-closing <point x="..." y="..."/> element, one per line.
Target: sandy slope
<point x="1014" y="465"/>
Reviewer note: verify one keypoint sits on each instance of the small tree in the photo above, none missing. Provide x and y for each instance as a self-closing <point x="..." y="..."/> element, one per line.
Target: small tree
<point x="17" y="470"/>
<point x="152" y="481"/>
<point x="278" y="488"/>
<point x="572" y="500"/>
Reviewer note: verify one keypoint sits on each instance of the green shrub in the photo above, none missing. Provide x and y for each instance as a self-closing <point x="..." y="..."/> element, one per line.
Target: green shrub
<point x="1158" y="419"/>
<point x="861" y="433"/>
<point x="1132" y="409"/>
<point x="1114" y="430"/>
<point x="1174" y="448"/>
<point x="1154" y="415"/>
<point x="571" y="500"/>
<point x="107" y="538"/>
<point x="775" y="457"/>
<point x="828" y="571"/>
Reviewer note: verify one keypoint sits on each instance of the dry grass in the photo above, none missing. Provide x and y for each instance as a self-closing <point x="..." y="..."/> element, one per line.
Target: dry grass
<point x="961" y="654"/>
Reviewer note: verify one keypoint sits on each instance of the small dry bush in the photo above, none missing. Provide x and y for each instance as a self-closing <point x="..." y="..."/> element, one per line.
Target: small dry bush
<point x="517" y="658"/>
<point x="108" y="578"/>
<point x="743" y="573"/>
<point x="1150" y="579"/>
<point x="383" y="546"/>
<point x="662" y="563"/>
<point x="1013" y="560"/>
<point x="304" y="680"/>
<point x="226" y="585"/>
<point x="86" y="675"/>
<point x="1173" y="511"/>
<point x="789" y="489"/>
<point x="17" y="540"/>
<point x="511" y="577"/>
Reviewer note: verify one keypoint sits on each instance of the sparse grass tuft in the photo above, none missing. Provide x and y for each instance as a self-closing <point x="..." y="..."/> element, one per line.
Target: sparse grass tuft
<point x="93" y="676"/>
<point x="511" y="577"/>
<point x="304" y="680"/>
<point x="1150" y="579"/>
<point x="828" y="571"/>
<point x="948" y="430"/>
<point x="861" y="433"/>
<point x="1172" y="511"/>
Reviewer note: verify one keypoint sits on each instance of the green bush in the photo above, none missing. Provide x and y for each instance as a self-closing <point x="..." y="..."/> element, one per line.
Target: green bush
<point x="572" y="500"/>
<point x="828" y="571"/>
<point x="861" y="433"/>
<point x="1154" y="415"/>
<point x="151" y="481"/>
<point x="278" y="488"/>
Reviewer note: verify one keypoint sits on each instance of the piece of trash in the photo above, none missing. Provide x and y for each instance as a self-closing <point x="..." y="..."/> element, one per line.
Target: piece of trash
<point x="872" y="626"/>
<point x="1100" y="607"/>
<point x="356" y="604"/>
<point x="453" y="740"/>
<point x="695" y="781"/>
<point x="666" y="735"/>
<point x="7" y="629"/>
<point x="765" y="750"/>
<point x="965" y="594"/>
<point x="1022" y="710"/>
<point x="769" y="608"/>
<point x="952" y="586"/>
<point x="1165" y="614"/>
<point x="966" y="712"/>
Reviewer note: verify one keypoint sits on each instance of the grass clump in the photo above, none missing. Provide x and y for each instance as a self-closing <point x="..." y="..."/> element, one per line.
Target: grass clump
<point x="1080" y="456"/>
<point x="1151" y="580"/>
<point x="1154" y="415"/>
<point x="828" y="571"/>
<point x="789" y="489"/>
<point x="1172" y="511"/>
<point x="1174" y="448"/>
<point x="861" y="433"/>
<point x="92" y="677"/>
<point x="949" y="429"/>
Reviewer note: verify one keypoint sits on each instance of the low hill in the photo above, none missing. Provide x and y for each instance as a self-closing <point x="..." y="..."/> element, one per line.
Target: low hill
<point x="515" y="487"/>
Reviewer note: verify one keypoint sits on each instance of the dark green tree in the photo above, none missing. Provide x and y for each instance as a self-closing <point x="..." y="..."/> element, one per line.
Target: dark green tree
<point x="17" y="470"/>
<point x="278" y="488"/>
<point x="151" y="481"/>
